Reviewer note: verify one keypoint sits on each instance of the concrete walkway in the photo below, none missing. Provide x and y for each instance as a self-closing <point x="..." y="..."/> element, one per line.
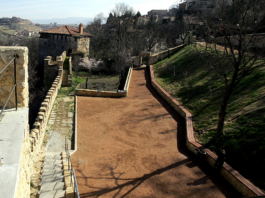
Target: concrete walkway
<point x="59" y="129"/>
<point x="135" y="147"/>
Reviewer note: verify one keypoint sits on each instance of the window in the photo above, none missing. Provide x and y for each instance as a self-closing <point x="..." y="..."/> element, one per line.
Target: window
<point x="66" y="38"/>
<point x="62" y="47"/>
<point x="75" y="39"/>
<point x="61" y="37"/>
<point x="54" y="45"/>
<point x="44" y="43"/>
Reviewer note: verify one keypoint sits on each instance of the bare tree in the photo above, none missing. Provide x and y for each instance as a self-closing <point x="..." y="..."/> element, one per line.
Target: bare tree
<point x="99" y="44"/>
<point x="235" y="26"/>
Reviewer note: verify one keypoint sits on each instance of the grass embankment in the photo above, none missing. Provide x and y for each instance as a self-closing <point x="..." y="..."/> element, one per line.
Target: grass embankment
<point x="200" y="90"/>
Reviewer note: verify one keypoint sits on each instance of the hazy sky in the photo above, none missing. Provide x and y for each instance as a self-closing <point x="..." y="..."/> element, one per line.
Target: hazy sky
<point x="47" y="9"/>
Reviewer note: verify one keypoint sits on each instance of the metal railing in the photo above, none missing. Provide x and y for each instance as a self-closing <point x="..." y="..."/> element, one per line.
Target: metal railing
<point x="15" y="83"/>
<point x="72" y="172"/>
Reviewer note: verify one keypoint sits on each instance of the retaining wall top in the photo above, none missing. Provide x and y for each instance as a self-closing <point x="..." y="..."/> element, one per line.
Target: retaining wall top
<point x="7" y="77"/>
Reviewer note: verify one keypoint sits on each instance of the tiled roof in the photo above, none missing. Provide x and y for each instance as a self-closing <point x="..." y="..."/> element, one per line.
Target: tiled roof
<point x="68" y="30"/>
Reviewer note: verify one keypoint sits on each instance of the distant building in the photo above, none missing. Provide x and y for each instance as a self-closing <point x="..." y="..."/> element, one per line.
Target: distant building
<point x="159" y="13"/>
<point x="54" y="42"/>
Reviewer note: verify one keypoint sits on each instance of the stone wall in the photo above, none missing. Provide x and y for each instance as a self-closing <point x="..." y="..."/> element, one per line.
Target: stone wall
<point x="83" y="45"/>
<point x="162" y="55"/>
<point x="23" y="185"/>
<point x="51" y="69"/>
<point x="244" y="186"/>
<point x="37" y="133"/>
<point x="7" y="77"/>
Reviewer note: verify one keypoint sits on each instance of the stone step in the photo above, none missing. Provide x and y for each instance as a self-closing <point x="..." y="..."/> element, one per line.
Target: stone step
<point x="52" y="178"/>
<point x="52" y="166"/>
<point x="52" y="186"/>
<point x="49" y="158"/>
<point x="53" y="194"/>
<point x="52" y="172"/>
<point x="52" y="153"/>
<point x="55" y="175"/>
<point x="52" y="157"/>
<point x="52" y="161"/>
<point x="47" y="169"/>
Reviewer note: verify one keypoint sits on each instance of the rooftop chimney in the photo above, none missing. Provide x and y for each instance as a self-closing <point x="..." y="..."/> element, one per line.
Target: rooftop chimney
<point x="81" y="28"/>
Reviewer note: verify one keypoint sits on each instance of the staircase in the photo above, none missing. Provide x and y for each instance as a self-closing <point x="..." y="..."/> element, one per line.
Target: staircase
<point x="65" y="78"/>
<point x="52" y="184"/>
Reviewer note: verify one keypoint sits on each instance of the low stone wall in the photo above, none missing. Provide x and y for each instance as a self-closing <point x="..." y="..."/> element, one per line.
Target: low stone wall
<point x="162" y="55"/>
<point x="111" y="94"/>
<point x="128" y="80"/>
<point x="37" y="133"/>
<point x="7" y="77"/>
<point x="96" y="93"/>
<point x="244" y="186"/>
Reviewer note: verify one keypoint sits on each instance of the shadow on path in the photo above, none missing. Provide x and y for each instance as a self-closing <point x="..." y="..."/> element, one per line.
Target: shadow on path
<point x="217" y="180"/>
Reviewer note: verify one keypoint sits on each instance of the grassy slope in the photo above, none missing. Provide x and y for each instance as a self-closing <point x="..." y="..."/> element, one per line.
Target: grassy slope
<point x="244" y="138"/>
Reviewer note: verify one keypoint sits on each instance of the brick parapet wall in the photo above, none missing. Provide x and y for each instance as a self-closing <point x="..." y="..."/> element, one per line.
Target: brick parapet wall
<point x="244" y="186"/>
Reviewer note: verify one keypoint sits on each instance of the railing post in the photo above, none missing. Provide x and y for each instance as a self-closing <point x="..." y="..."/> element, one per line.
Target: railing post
<point x="15" y="78"/>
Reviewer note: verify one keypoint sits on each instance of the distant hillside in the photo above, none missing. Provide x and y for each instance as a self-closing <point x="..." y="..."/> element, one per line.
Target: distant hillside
<point x="14" y="20"/>
<point x="70" y="20"/>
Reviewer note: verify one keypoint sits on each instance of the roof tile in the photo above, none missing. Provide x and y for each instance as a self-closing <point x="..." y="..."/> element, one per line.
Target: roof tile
<point x="66" y="29"/>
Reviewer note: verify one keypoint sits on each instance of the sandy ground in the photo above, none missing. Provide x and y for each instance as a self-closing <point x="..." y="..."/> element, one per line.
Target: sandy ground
<point x="135" y="147"/>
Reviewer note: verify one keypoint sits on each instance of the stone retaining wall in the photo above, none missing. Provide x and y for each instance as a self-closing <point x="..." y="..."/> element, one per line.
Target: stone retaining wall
<point x="162" y="55"/>
<point x="23" y="185"/>
<point x="244" y="186"/>
<point x="111" y="94"/>
<point x="7" y="77"/>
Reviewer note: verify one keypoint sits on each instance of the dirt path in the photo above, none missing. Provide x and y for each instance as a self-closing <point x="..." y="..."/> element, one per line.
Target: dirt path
<point x="135" y="147"/>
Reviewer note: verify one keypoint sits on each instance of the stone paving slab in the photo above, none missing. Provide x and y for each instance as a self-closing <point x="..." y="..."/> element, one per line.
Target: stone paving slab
<point x="53" y="194"/>
<point x="52" y="186"/>
<point x="52" y="166"/>
<point x="52" y="179"/>
<point x="59" y="194"/>
<point x="52" y="162"/>
<point x="52" y="172"/>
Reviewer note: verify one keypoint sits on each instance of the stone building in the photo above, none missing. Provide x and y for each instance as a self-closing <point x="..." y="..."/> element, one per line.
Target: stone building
<point x="54" y="42"/>
<point x="159" y="13"/>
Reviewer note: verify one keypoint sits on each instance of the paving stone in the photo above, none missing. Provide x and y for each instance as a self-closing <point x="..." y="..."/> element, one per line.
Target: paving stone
<point x="70" y="114"/>
<point x="48" y="194"/>
<point x="59" y="194"/>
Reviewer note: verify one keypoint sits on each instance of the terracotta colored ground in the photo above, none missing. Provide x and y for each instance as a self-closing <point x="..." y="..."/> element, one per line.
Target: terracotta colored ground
<point x="135" y="147"/>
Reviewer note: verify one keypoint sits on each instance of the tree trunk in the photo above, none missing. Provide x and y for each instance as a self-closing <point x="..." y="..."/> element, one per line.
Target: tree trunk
<point x="222" y="112"/>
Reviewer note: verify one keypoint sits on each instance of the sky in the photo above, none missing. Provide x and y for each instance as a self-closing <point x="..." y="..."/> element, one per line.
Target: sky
<point x="48" y="9"/>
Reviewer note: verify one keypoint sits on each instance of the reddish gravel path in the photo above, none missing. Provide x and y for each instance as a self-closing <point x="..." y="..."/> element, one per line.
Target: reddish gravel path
<point x="135" y="147"/>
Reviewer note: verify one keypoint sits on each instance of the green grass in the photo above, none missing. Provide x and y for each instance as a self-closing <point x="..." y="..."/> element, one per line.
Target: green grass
<point x="66" y="63"/>
<point x="201" y="93"/>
